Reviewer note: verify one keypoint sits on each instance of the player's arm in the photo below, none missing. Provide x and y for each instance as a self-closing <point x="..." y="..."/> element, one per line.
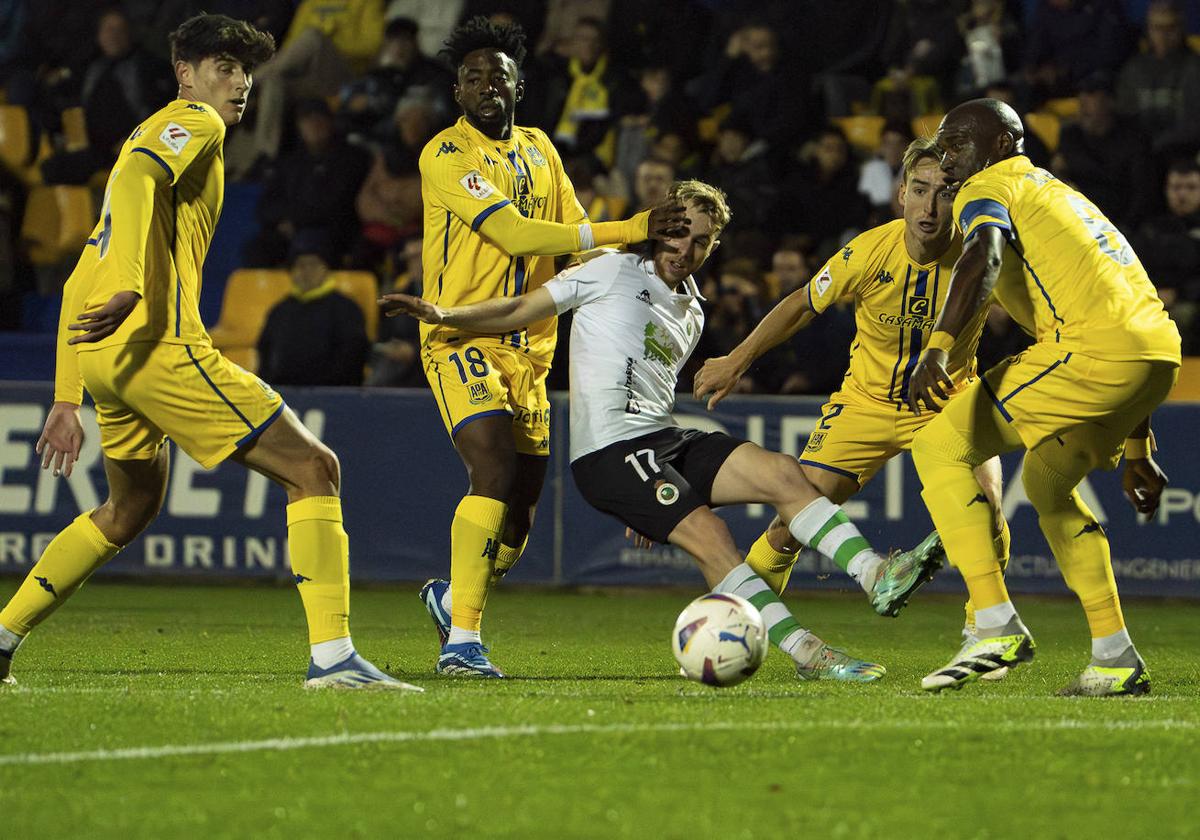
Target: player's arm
<point x="719" y="376"/>
<point x="971" y="285"/>
<point x="1143" y="480"/>
<point x="62" y="433"/>
<point x="498" y="315"/>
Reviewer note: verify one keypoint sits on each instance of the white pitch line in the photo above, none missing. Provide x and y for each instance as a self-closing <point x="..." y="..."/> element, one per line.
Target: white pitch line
<point x="533" y="730"/>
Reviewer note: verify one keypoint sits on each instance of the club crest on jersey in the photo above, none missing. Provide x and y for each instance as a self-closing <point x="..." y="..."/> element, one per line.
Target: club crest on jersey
<point x="918" y="306"/>
<point x="815" y="441"/>
<point x="822" y="282"/>
<point x="175" y="137"/>
<point x="478" y="392"/>
<point x="535" y="157"/>
<point x="476" y="185"/>
<point x="666" y="493"/>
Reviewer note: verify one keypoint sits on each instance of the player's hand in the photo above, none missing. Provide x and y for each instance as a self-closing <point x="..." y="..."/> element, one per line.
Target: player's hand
<point x="929" y="380"/>
<point x="638" y="540"/>
<point x="1143" y="483"/>
<point x="667" y="221"/>
<point x="401" y="304"/>
<point x="62" y="438"/>
<point x="716" y="380"/>
<point x="101" y="322"/>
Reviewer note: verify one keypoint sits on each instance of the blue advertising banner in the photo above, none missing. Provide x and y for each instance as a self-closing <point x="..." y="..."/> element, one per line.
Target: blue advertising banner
<point x="402" y="480"/>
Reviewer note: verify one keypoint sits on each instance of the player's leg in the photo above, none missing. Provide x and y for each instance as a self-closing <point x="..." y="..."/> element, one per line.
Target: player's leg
<point x="522" y="505"/>
<point x="989" y="476"/>
<point x="135" y="494"/>
<point x="753" y="474"/>
<point x="773" y="555"/>
<point x="290" y="455"/>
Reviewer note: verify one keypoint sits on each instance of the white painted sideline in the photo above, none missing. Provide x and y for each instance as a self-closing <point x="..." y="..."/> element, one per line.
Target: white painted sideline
<point x="532" y="730"/>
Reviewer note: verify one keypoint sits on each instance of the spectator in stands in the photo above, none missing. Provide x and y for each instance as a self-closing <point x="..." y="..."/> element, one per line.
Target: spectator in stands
<point x="878" y="177"/>
<point x="314" y="186"/>
<point x="990" y="39"/>
<point x="789" y="270"/>
<point x="120" y="87"/>
<point x="1105" y="156"/>
<point x="561" y="19"/>
<point x="735" y="300"/>
<point x="1169" y="247"/>
<point x="415" y="119"/>
<point x="583" y="94"/>
<point x="370" y="101"/>
<point x="435" y="21"/>
<point x="750" y="77"/>
<point x="661" y="103"/>
<point x="922" y="51"/>
<point x="388" y="205"/>
<point x="1161" y="87"/>
<point x="396" y="357"/>
<point x="586" y="174"/>
<point x="651" y="182"/>
<point x="739" y="166"/>
<point x="327" y="45"/>
<point x="820" y="200"/>
<point x="1069" y="41"/>
<point x="315" y="336"/>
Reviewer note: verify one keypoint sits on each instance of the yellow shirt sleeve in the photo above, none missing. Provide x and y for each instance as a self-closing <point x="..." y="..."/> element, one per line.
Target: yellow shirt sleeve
<point x="176" y="139"/>
<point x="840" y="277"/>
<point x="126" y="214"/>
<point x="68" y="383"/>
<point x="983" y="202"/>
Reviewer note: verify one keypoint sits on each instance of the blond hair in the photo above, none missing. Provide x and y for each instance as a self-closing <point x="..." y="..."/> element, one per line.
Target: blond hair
<point x="709" y="199"/>
<point x="923" y="148"/>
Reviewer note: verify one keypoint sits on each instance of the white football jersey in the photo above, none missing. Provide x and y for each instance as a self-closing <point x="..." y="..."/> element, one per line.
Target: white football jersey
<point x="630" y="338"/>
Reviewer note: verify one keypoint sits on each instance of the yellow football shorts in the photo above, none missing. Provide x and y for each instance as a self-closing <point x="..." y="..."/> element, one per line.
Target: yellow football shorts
<point x="471" y="380"/>
<point x="146" y="392"/>
<point x="1044" y="394"/>
<point x="855" y="439"/>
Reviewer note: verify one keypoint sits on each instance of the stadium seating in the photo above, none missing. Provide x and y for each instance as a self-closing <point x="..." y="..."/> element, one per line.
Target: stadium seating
<point x="249" y="295"/>
<point x="1065" y="108"/>
<point x="863" y="132"/>
<point x="74" y="126"/>
<point x="57" y="223"/>
<point x="15" y="142"/>
<point x="360" y="287"/>
<point x="1046" y="126"/>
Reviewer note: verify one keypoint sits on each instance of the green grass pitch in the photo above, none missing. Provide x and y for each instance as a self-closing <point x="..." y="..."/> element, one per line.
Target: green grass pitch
<point x="177" y="711"/>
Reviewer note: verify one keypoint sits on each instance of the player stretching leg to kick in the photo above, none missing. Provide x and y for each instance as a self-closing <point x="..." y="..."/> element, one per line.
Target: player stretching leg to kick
<point x="498" y="207"/>
<point x="637" y="320"/>
<point x="899" y="275"/>
<point x="1106" y="355"/>
<point x="142" y="353"/>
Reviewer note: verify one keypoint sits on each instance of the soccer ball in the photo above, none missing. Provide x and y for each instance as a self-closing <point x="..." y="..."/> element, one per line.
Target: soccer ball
<point x="719" y="639"/>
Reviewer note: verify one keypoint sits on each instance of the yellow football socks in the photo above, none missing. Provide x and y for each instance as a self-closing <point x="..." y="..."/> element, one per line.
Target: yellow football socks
<point x="1078" y="543"/>
<point x="320" y="554"/>
<point x="69" y="559"/>
<point x="1003" y="545"/>
<point x="506" y="558"/>
<point x="474" y="549"/>
<point x="774" y="567"/>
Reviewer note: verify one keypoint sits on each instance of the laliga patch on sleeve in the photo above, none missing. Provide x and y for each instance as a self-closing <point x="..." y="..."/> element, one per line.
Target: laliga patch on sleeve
<point x="476" y="185"/>
<point x="822" y="282"/>
<point x="175" y="137"/>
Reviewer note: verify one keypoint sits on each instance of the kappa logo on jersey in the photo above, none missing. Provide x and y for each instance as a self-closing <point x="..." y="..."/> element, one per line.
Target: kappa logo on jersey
<point x="822" y="282"/>
<point x="884" y="276"/>
<point x="535" y="156"/>
<point x="476" y="185"/>
<point x="194" y="107"/>
<point x="918" y="306"/>
<point x="644" y="296"/>
<point x="846" y="252"/>
<point x="447" y="148"/>
<point x="175" y="137"/>
<point x="137" y="132"/>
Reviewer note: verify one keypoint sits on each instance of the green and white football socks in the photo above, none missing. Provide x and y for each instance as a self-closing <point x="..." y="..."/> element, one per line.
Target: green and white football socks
<point x="824" y="527"/>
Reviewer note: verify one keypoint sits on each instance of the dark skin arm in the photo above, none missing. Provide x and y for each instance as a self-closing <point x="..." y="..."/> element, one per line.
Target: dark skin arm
<point x="971" y="285"/>
<point x="1143" y="481"/>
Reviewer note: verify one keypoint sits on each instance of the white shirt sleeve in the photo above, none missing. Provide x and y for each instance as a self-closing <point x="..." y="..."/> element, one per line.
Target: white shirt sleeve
<point x="580" y="284"/>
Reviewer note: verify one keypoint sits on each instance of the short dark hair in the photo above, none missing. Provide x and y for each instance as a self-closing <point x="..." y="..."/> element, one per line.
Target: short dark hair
<point x="1183" y="166"/>
<point x="207" y="36"/>
<point x="479" y="33"/>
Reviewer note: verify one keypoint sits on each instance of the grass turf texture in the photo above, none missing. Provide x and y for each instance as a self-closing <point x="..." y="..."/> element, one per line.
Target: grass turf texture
<point x="598" y="737"/>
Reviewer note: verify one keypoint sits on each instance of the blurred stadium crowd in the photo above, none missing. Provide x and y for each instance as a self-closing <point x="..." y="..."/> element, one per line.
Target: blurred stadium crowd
<point x="799" y="109"/>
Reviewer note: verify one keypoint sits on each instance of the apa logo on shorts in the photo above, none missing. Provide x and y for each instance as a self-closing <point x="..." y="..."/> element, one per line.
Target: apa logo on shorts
<point x="822" y="282"/>
<point x="666" y="493"/>
<point x="478" y="392"/>
<point x="175" y="137"/>
<point x="815" y="441"/>
<point x="535" y="156"/>
<point x="476" y="185"/>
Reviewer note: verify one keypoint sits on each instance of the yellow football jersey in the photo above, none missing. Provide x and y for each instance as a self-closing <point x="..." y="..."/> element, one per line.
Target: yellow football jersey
<point x="896" y="303"/>
<point x="184" y="138"/>
<point x="465" y="177"/>
<point x="1090" y="292"/>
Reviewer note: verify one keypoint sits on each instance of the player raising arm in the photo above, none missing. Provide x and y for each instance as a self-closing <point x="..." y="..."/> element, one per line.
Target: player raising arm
<point x="130" y="333"/>
<point x="637" y="320"/>
<point x="898" y="274"/>
<point x="1106" y="354"/>
<point x="498" y="206"/>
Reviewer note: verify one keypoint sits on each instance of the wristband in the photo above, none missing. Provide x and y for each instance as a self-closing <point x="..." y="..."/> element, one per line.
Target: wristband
<point x="1139" y="448"/>
<point x="940" y="340"/>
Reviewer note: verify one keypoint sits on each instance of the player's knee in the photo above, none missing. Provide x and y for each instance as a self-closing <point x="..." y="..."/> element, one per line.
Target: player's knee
<point x="121" y="520"/>
<point x="320" y="472"/>
<point x="1046" y="490"/>
<point x="492" y="477"/>
<point x="784" y="475"/>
